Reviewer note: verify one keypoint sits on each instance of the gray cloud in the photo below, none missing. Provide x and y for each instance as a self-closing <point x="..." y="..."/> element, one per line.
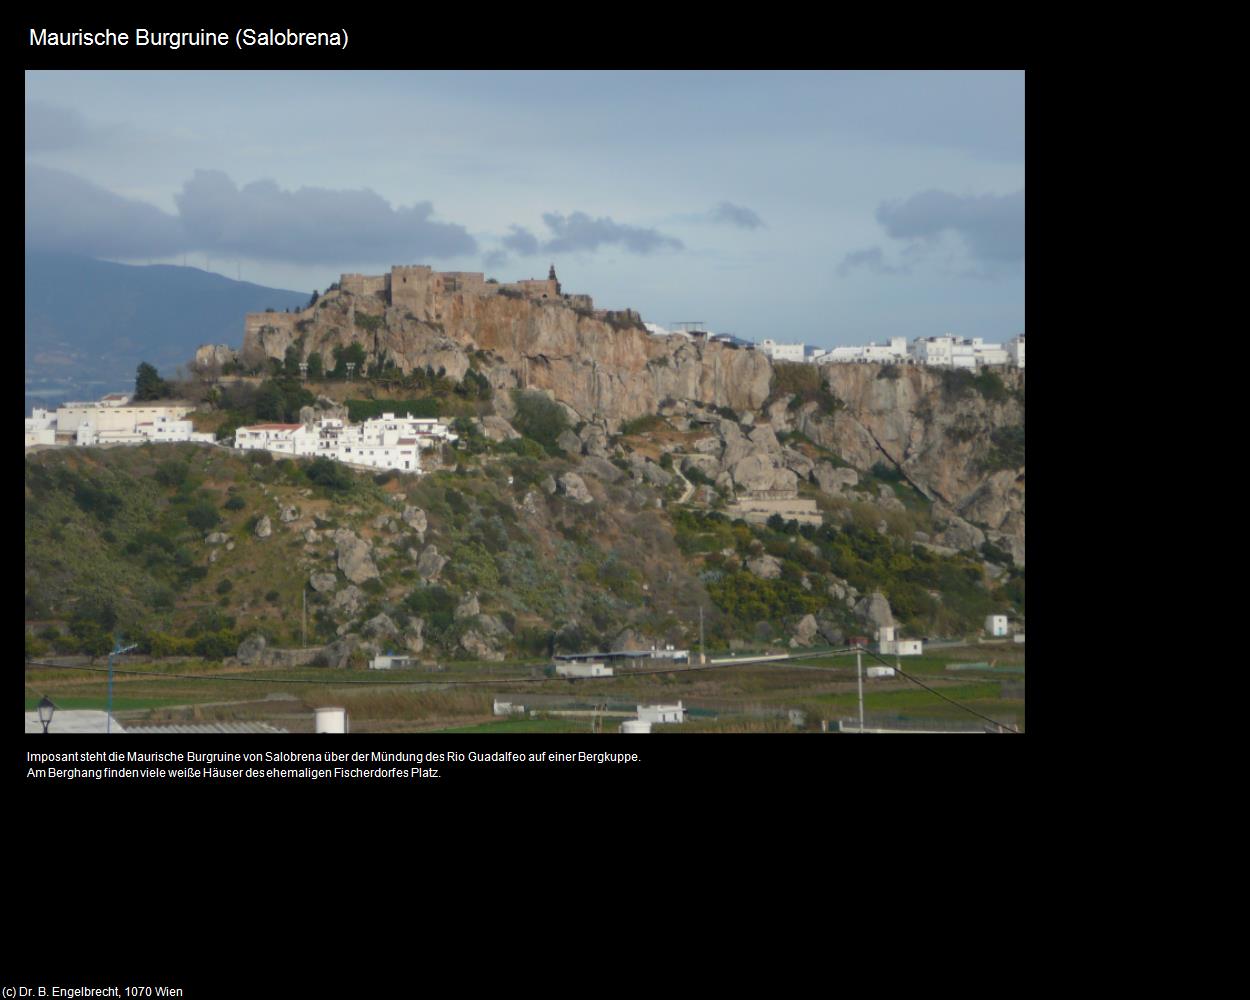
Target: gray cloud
<point x="49" y="127"/>
<point x="66" y="214"/>
<point x="260" y="221"/>
<point x="736" y="215"/>
<point x="871" y="260"/>
<point x="991" y="225"/>
<point x="580" y="232"/>
<point x="494" y="260"/>
<point x="311" y="225"/>
<point x="522" y="241"/>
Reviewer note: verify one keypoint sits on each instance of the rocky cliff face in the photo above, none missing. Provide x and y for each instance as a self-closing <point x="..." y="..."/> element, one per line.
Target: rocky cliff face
<point x="609" y="369"/>
<point x="959" y="444"/>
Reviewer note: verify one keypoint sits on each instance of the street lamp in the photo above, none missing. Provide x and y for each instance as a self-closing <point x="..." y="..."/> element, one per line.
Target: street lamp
<point x="46" y="711"/>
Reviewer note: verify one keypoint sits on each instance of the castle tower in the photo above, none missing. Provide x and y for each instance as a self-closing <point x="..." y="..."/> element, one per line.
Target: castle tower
<point x="551" y="276"/>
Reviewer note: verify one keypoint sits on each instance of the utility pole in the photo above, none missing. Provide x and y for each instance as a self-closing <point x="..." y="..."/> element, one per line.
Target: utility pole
<point x="859" y="670"/>
<point x="117" y="650"/>
<point x="702" y="651"/>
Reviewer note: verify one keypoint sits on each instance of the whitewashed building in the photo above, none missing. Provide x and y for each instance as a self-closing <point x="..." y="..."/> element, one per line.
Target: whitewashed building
<point x="112" y="420"/>
<point x="385" y="442"/>
<point x="782" y="352"/>
<point x="1015" y="350"/>
<point x="587" y="668"/>
<point x="996" y="625"/>
<point x="662" y="713"/>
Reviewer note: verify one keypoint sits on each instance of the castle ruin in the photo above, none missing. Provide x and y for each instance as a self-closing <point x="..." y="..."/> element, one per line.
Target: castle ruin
<point x="423" y="293"/>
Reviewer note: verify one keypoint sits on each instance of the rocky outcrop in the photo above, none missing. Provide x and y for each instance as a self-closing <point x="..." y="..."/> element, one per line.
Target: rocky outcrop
<point x="350" y="599"/>
<point x="210" y="357"/>
<point x="468" y="607"/>
<point x="572" y="485"/>
<point x="430" y="564"/>
<point x="766" y="567"/>
<point x="875" y="610"/>
<point x="601" y="365"/>
<point x="251" y="650"/>
<point x="323" y="583"/>
<point x="355" y="558"/>
<point x="264" y="527"/>
<point x="805" y="631"/>
<point x="380" y="627"/>
<point x="937" y="428"/>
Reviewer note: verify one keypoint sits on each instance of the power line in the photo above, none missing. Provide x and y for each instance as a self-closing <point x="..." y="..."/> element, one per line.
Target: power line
<point x="973" y="711"/>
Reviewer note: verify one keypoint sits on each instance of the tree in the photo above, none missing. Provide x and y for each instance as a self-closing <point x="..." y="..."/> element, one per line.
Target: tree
<point x="315" y="368"/>
<point x="149" y="384"/>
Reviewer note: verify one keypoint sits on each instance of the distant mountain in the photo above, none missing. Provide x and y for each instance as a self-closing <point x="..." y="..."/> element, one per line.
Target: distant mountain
<point x="90" y="322"/>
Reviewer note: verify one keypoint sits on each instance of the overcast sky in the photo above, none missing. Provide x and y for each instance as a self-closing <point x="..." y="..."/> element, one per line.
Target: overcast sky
<point x="827" y="207"/>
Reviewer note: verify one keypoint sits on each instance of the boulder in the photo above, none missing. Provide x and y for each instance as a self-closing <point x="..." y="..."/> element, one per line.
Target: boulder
<point x="706" y="464"/>
<point x="251" y="650"/>
<point x="431" y="563"/>
<point x="214" y="555"/>
<point x="653" y="474"/>
<point x="355" y="556"/>
<point x="805" y="630"/>
<point x="602" y="469"/>
<point x="764" y="438"/>
<point x="415" y="518"/>
<point x="574" y="487"/>
<point x="338" y="654"/>
<point x="549" y="484"/>
<point x="230" y="545"/>
<point x="875" y="610"/>
<point x="959" y="534"/>
<point x="413" y="638"/>
<point x="468" y="607"/>
<point x="766" y="567"/>
<point x="288" y="514"/>
<point x="217" y="538"/>
<point x="569" y="443"/>
<point x="381" y="627"/>
<point x="595" y="441"/>
<point x="263" y="527"/>
<point x="323" y="583"/>
<point x="349" y="599"/>
<point x="498" y="429"/>
<point x="831" y="480"/>
<point x="479" y="646"/>
<point x="310" y="536"/>
<point x="707" y="446"/>
<point x="797" y="462"/>
<point x="830" y="632"/>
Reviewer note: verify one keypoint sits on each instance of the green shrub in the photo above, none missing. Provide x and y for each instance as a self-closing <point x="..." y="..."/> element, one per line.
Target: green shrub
<point x="235" y="503"/>
<point x="539" y="418"/>
<point x="641" y="425"/>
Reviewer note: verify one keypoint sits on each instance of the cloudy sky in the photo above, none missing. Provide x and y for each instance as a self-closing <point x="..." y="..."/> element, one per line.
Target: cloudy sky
<point x="828" y="207"/>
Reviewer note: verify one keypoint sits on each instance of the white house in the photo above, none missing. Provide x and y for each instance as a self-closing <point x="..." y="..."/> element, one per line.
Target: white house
<point x="996" y="625"/>
<point x="587" y="668"/>
<point x="389" y="662"/>
<point x="662" y="713"/>
<point x="1015" y="350"/>
<point x="782" y="352"/>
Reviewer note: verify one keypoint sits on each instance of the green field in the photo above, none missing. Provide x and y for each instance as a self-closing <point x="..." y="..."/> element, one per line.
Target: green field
<point x="736" y="697"/>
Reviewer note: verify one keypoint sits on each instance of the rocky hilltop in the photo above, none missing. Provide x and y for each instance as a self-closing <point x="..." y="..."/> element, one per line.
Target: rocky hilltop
<point x="955" y="436"/>
<point x="529" y="335"/>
